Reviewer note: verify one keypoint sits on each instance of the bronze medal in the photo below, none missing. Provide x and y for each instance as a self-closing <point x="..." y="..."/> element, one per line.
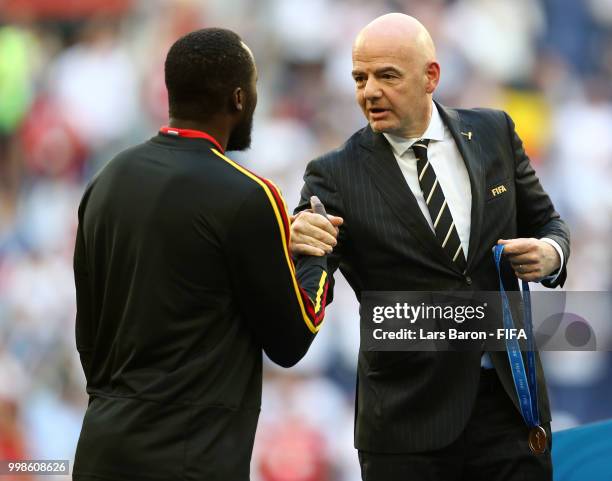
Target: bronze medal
<point x="537" y="440"/>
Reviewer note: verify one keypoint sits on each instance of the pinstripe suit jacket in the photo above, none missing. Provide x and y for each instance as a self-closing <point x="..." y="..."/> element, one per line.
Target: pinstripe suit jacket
<point x="417" y="401"/>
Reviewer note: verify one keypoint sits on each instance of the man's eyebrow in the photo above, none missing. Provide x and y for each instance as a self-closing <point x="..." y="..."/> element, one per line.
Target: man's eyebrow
<point x="379" y="71"/>
<point x="387" y="68"/>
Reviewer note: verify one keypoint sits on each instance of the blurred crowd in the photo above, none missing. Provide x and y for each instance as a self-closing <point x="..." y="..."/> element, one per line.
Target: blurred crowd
<point x="79" y="81"/>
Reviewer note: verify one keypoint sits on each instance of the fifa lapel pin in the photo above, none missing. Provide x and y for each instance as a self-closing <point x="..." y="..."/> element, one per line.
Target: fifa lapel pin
<point x="468" y="134"/>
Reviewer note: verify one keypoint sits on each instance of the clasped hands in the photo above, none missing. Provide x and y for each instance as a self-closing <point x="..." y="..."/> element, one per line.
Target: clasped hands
<point x="313" y="234"/>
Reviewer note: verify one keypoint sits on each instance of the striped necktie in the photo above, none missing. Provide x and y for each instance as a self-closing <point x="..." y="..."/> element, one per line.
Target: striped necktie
<point x="444" y="225"/>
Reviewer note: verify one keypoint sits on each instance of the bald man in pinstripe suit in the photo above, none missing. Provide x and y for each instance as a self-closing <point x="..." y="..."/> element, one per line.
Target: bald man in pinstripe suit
<point x="425" y="191"/>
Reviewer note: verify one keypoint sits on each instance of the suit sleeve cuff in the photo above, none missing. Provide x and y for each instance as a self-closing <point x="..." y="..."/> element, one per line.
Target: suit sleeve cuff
<point x="553" y="277"/>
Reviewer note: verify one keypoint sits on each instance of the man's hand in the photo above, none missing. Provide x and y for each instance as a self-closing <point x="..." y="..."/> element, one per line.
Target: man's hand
<point x="532" y="259"/>
<point x="312" y="234"/>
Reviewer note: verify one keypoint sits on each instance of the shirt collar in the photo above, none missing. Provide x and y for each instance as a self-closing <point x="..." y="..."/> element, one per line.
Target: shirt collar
<point x="434" y="131"/>
<point x="190" y="133"/>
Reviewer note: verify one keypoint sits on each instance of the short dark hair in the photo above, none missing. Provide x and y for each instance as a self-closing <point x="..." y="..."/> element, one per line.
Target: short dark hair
<point x="202" y="70"/>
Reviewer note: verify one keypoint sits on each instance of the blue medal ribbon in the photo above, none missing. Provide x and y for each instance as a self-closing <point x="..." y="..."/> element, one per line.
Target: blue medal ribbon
<point x="525" y="383"/>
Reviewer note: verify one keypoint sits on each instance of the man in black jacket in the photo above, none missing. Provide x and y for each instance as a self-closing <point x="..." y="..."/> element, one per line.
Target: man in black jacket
<point x="183" y="275"/>
<point x="425" y="193"/>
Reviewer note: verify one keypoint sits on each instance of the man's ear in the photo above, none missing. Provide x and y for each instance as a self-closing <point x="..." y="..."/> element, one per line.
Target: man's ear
<point x="432" y="72"/>
<point x="238" y="99"/>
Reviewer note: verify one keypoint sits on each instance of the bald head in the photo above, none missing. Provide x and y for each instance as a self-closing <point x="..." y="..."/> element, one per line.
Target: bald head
<point x="395" y="72"/>
<point x="397" y="31"/>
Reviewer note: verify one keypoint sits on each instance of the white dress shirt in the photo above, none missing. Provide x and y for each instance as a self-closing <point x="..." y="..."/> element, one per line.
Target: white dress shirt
<point x="444" y="157"/>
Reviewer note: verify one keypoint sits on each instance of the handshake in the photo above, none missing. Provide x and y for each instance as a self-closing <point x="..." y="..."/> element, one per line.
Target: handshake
<point x="313" y="231"/>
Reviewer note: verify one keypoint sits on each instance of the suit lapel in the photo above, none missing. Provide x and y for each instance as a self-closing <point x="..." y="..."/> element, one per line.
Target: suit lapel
<point x="470" y="149"/>
<point x="389" y="179"/>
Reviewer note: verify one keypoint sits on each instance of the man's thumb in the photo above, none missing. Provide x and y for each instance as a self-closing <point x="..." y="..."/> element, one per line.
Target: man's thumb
<point x="335" y="220"/>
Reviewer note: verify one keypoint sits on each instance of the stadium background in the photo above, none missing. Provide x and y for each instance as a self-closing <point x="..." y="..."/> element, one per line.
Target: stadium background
<point x="81" y="80"/>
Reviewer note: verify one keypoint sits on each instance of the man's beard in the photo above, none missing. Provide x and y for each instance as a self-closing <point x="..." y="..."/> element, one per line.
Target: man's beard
<point x="240" y="138"/>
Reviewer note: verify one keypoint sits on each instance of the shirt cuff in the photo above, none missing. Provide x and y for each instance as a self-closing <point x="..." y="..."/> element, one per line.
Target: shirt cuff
<point x="553" y="277"/>
<point x="485" y="361"/>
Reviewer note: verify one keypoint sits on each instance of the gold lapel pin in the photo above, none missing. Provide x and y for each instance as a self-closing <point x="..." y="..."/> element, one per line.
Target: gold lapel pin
<point x="468" y="135"/>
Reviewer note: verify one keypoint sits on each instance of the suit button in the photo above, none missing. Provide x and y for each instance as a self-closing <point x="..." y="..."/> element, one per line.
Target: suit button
<point x="468" y="280"/>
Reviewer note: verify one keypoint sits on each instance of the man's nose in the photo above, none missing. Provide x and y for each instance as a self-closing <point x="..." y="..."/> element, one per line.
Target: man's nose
<point x="372" y="89"/>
